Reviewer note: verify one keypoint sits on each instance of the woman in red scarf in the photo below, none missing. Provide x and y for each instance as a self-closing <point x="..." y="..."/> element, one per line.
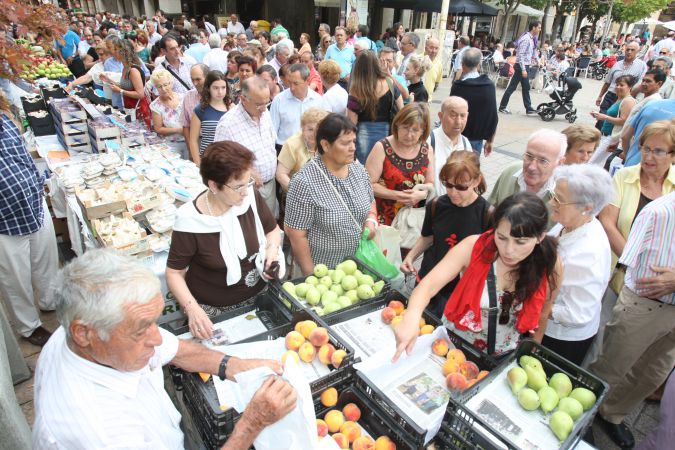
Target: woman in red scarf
<point x="526" y="271"/>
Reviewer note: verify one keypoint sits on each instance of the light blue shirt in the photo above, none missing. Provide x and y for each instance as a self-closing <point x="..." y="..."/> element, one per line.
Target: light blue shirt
<point x="345" y="58"/>
<point x="286" y="111"/>
<point x="651" y="112"/>
<point x="198" y="51"/>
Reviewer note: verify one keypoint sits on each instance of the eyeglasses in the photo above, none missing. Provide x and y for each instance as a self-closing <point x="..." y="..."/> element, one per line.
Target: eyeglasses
<point x="529" y="157"/>
<point x="507" y="301"/>
<point x="556" y="201"/>
<point x="259" y="106"/>
<point x="242" y="188"/>
<point x="664" y="52"/>
<point x="657" y="152"/>
<point x="459" y="187"/>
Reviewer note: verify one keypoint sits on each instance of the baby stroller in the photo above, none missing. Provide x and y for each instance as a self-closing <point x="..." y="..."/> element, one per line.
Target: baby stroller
<point x="562" y="93"/>
<point x="599" y="69"/>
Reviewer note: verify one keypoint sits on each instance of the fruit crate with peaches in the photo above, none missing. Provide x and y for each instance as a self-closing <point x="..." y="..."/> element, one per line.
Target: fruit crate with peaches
<point x="534" y="398"/>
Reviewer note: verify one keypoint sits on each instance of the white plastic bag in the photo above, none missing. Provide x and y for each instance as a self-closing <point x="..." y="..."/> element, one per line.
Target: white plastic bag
<point x="388" y="239"/>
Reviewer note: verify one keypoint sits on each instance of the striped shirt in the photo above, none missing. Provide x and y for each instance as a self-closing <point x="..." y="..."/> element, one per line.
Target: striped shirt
<point x="651" y="242"/>
<point x="209" y="119"/>
<point x="525" y="51"/>
<point x="637" y="69"/>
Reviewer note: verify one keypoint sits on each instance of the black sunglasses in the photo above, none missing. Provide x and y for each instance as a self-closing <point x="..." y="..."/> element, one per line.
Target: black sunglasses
<point x="459" y="187"/>
<point x="507" y="300"/>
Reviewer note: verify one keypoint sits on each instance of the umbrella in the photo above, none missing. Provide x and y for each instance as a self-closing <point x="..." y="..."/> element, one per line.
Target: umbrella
<point x="670" y="25"/>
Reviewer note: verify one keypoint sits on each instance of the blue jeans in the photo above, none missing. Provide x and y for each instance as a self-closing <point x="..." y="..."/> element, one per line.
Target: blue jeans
<point x="477" y="146"/>
<point x="367" y="135"/>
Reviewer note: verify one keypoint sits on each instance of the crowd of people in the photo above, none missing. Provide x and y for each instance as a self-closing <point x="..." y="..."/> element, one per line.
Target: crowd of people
<point x="327" y="144"/>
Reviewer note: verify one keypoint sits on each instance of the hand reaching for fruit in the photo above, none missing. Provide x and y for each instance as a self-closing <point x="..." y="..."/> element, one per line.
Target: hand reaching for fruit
<point x="406" y="335"/>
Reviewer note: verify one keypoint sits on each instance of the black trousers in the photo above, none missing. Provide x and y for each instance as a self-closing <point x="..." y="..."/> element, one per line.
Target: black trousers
<point x="607" y="101"/>
<point x="513" y="84"/>
<point x="575" y="351"/>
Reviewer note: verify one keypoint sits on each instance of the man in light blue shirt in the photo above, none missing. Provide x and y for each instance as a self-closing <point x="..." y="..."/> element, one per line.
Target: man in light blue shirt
<point x="199" y="48"/>
<point x="343" y="54"/>
<point x="288" y="106"/>
<point x="653" y="111"/>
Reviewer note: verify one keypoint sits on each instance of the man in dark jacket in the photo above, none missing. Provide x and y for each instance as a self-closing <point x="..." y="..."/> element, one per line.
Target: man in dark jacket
<point x="479" y="92"/>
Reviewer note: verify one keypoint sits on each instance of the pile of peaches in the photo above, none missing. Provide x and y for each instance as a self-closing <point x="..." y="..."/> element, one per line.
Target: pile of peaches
<point x="307" y="341"/>
<point x="344" y="428"/>
<point x="460" y="374"/>
<point x="393" y="313"/>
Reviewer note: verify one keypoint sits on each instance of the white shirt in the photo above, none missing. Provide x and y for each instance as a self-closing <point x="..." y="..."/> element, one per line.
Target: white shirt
<point x="216" y="59"/>
<point x="545" y="189"/>
<point x="83" y="48"/>
<point x="335" y="100"/>
<point x="153" y="39"/>
<point x="587" y="259"/>
<point x="443" y="148"/>
<point x="83" y="405"/>
<point x="209" y="28"/>
<point x="235" y="27"/>
<point x="286" y="111"/>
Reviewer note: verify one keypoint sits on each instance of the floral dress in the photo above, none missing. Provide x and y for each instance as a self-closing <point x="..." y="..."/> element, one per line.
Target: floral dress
<point x="399" y="174"/>
<point x="171" y="117"/>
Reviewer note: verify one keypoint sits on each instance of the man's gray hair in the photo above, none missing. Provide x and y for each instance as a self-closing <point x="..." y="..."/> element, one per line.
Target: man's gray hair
<point x="414" y="38"/>
<point x="214" y="40"/>
<point x="299" y="67"/>
<point x="256" y="82"/>
<point x="590" y="186"/>
<point x="471" y="58"/>
<point x="548" y="135"/>
<point x="203" y="67"/>
<point x="284" y="44"/>
<point x="665" y="59"/>
<point x="325" y="27"/>
<point x="387" y="50"/>
<point x="94" y="288"/>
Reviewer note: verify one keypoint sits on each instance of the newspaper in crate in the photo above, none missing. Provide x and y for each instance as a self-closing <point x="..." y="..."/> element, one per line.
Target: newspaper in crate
<point x="415" y="383"/>
<point x="232" y="330"/>
<point x="265" y="350"/>
<point x="498" y="408"/>
<point x="366" y="334"/>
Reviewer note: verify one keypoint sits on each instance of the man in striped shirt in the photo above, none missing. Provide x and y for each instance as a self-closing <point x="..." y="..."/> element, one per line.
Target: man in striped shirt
<point x="638" y="350"/>
<point x="525" y="53"/>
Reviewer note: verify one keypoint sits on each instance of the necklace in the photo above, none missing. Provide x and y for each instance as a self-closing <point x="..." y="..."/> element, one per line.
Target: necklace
<point x="208" y="204"/>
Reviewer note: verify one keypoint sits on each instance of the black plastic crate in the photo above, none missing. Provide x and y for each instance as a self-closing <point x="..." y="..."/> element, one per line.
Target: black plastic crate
<point x="458" y="431"/>
<point x="29" y="106"/>
<point x="42" y="126"/>
<point x="53" y="92"/>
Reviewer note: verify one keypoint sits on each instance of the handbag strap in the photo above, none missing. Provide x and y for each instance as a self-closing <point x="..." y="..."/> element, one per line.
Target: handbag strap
<point x="337" y="194"/>
<point x="175" y="75"/>
<point x="492" y="315"/>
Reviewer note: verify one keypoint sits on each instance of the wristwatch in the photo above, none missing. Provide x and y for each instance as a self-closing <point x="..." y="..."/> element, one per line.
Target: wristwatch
<point x="223" y="367"/>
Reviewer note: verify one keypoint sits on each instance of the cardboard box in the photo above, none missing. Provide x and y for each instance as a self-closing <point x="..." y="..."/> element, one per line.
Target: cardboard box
<point x="87" y="199"/>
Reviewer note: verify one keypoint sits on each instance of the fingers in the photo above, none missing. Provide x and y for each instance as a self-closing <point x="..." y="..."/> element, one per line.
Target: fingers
<point x="399" y="351"/>
<point x="275" y="366"/>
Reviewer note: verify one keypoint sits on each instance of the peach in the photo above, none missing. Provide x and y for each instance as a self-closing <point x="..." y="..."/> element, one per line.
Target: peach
<point x="450" y="366"/>
<point x="422" y="323"/>
<point x="290" y="354"/>
<point x="326" y="353"/>
<point x="456" y="382"/>
<point x="351" y="412"/>
<point x="427" y="329"/>
<point x="321" y="428"/>
<point x="305" y="327"/>
<point x="341" y="441"/>
<point x="363" y="443"/>
<point x="294" y="340"/>
<point x="204" y="376"/>
<point x="307" y="352"/>
<point x="440" y="347"/>
<point x="471" y="383"/>
<point x="482" y="374"/>
<point x="469" y="369"/>
<point x="351" y="430"/>
<point x="456" y="355"/>
<point x="318" y="337"/>
<point x="329" y="397"/>
<point x="395" y="321"/>
<point x="397" y="306"/>
<point x="338" y="356"/>
<point x="384" y="443"/>
<point x="334" y="419"/>
<point x="388" y="314"/>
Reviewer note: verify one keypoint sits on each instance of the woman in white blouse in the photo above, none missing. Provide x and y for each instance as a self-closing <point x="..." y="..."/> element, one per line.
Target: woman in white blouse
<point x="581" y="191"/>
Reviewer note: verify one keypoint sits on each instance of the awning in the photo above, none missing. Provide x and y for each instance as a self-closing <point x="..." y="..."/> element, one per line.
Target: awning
<point x="523" y="10"/>
<point x="415" y="5"/>
<point x="471" y="8"/>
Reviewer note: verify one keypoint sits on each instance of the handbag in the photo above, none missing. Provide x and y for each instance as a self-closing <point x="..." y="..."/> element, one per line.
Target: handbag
<point x="493" y="311"/>
<point x="409" y="220"/>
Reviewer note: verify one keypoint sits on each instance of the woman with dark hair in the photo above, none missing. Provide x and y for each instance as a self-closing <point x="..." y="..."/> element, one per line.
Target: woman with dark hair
<point x="330" y="200"/>
<point x="459" y="213"/>
<point x="232" y="75"/>
<point x="394" y="38"/>
<point x="214" y="103"/>
<point x="224" y="242"/>
<point x="514" y="267"/>
<point x="373" y="98"/>
<point x="246" y="68"/>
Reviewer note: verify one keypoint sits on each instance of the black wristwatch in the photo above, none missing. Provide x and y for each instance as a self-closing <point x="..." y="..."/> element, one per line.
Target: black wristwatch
<point x="223" y="367"/>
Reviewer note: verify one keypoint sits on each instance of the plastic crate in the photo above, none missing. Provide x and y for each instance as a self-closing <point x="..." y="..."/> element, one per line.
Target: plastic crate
<point x="458" y="431"/>
<point x="28" y="107"/>
<point x="295" y="305"/>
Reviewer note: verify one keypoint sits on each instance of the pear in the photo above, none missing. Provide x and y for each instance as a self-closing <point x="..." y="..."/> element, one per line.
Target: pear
<point x="584" y="396"/>
<point x="536" y="379"/>
<point x="528" y="399"/>
<point x="530" y="361"/>
<point x="548" y="398"/>
<point x="561" y="383"/>
<point x="561" y="424"/>
<point x="517" y="379"/>
<point x="571" y="407"/>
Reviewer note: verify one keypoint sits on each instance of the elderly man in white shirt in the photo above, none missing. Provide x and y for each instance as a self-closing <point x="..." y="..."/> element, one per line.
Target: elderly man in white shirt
<point x="216" y="58"/>
<point x="282" y="51"/>
<point x="99" y="380"/>
<point x="448" y="138"/>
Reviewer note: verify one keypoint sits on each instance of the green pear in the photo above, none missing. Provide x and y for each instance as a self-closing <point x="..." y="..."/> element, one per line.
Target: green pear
<point x="528" y="399"/>
<point x="561" y="383"/>
<point x="584" y="396"/>
<point x="289" y="287"/>
<point x="561" y="424"/>
<point x="517" y="379"/>
<point x="377" y="287"/>
<point x="300" y="289"/>
<point x="530" y="361"/>
<point x="571" y="406"/>
<point x="536" y="379"/>
<point x="331" y="307"/>
<point x="548" y="398"/>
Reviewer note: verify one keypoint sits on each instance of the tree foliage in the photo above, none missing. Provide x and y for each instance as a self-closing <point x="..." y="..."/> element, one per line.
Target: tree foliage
<point x="44" y="20"/>
<point x="636" y="10"/>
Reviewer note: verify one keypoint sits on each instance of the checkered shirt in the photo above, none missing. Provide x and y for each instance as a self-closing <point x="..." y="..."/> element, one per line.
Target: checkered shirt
<point x="311" y="205"/>
<point x="21" y="186"/>
<point x="238" y="126"/>
<point x="190" y="102"/>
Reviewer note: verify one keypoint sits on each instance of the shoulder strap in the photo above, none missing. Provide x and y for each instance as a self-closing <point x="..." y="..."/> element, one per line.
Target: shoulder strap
<point x="337" y="194"/>
<point x="433" y="140"/>
<point x="175" y="75"/>
<point x="433" y="207"/>
<point x="493" y="311"/>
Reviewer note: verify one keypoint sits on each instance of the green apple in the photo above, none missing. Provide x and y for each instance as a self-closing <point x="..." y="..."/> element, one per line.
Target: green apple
<point x="365" y="292"/>
<point x="300" y="289"/>
<point x="320" y="270"/>
<point x="326" y="281"/>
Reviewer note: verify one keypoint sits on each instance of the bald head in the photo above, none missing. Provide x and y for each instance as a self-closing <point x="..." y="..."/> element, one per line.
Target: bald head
<point x="545" y="151"/>
<point x="453" y="115"/>
<point x="632" y="50"/>
<point x="431" y="48"/>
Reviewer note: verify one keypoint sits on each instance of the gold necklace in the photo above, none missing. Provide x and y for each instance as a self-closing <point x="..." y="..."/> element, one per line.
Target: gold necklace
<point x="208" y="205"/>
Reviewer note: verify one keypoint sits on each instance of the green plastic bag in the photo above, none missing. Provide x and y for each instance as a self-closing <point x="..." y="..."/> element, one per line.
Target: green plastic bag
<point x="370" y="254"/>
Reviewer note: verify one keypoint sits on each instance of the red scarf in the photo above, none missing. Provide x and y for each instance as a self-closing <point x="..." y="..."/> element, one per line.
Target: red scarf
<point x="463" y="306"/>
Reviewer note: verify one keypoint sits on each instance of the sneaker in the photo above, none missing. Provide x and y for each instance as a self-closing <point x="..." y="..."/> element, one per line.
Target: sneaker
<point x="39" y="337"/>
<point x="504" y="111"/>
<point x="531" y="112"/>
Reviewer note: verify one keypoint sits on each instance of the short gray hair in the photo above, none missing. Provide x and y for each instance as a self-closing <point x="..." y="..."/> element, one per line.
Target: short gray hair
<point x="325" y="27"/>
<point x="94" y="288"/>
<point x="548" y="135"/>
<point x="665" y="59"/>
<point x="414" y="38"/>
<point x="256" y="82"/>
<point x="589" y="185"/>
<point x="284" y="43"/>
<point x="299" y="67"/>
<point x="214" y="40"/>
<point x="471" y="58"/>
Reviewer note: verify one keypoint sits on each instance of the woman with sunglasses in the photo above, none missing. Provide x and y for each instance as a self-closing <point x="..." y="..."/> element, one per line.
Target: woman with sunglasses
<point x="581" y="191"/>
<point x="514" y="266"/>
<point x="219" y="237"/>
<point x="459" y="213"/>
